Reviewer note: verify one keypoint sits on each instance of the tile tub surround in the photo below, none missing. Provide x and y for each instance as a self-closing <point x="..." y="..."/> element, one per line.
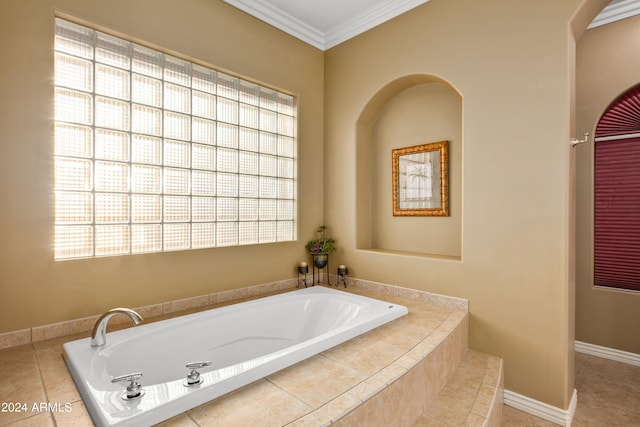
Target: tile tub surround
<point x="330" y="387"/>
<point x="69" y="327"/>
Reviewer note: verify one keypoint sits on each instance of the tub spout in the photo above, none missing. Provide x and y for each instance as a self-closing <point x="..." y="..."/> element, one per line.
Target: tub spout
<point x="99" y="334"/>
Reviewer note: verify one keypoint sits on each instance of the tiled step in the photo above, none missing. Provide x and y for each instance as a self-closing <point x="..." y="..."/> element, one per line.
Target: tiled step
<point x="472" y="397"/>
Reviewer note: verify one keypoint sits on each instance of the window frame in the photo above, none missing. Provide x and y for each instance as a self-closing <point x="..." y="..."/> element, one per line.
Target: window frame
<point x="267" y="193"/>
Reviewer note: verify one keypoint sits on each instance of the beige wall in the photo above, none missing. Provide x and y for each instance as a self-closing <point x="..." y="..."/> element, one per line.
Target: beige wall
<point x="421" y="114"/>
<point x="607" y="65"/>
<point x="35" y="290"/>
<point x="512" y="63"/>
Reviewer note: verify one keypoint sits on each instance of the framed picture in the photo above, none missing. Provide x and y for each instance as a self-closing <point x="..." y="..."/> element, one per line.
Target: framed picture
<point x="420" y="180"/>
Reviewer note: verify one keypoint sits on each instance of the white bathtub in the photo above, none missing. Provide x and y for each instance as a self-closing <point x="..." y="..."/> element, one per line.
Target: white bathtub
<point x="244" y="342"/>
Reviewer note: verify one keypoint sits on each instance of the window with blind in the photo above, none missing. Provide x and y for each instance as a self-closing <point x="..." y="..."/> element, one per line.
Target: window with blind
<point x="154" y="153"/>
<point x="617" y="195"/>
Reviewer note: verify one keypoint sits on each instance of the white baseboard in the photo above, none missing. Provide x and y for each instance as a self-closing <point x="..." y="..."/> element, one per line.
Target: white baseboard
<point x="608" y="353"/>
<point x="562" y="417"/>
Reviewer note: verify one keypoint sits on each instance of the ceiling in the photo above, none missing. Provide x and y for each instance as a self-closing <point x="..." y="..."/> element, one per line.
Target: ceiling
<point x="327" y="23"/>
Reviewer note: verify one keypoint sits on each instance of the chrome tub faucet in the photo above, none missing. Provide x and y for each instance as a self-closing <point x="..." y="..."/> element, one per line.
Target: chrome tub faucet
<point x="99" y="334"/>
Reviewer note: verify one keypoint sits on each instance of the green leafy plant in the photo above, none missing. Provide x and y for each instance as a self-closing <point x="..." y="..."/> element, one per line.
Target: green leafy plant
<point x="321" y="245"/>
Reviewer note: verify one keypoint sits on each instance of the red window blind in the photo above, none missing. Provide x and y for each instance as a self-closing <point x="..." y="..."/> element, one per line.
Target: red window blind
<point x="622" y="117"/>
<point x="617" y="213"/>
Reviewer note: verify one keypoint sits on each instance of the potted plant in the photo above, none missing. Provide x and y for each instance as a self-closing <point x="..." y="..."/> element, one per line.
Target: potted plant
<point x="320" y="248"/>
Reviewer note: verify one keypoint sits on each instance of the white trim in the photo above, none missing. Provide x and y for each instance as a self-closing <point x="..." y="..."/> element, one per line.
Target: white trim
<point x="616" y="11"/>
<point x="369" y="19"/>
<point x="563" y="417"/>
<point x="280" y="19"/>
<point x="286" y="22"/>
<point x="608" y="353"/>
<point x="265" y="11"/>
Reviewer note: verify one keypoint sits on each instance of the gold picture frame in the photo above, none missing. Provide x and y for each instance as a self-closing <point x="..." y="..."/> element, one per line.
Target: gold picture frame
<point x="420" y="180"/>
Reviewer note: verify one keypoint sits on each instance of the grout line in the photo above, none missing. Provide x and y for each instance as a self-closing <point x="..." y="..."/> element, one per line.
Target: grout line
<point x="44" y="388"/>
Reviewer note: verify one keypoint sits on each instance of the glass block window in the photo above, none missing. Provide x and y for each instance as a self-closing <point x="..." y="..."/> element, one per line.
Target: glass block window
<point x="154" y="153"/>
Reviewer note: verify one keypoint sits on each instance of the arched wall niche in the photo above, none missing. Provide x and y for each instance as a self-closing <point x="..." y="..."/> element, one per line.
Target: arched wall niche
<point x="411" y="110"/>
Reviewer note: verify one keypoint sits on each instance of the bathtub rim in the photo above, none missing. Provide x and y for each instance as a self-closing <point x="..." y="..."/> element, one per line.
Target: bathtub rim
<point x="196" y="397"/>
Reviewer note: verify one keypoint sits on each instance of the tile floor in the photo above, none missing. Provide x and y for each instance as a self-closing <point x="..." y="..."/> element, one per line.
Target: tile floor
<point x="608" y="396"/>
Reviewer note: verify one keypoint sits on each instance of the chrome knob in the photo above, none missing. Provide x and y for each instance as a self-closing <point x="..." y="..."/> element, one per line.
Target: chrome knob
<point x="134" y="389"/>
<point x="193" y="378"/>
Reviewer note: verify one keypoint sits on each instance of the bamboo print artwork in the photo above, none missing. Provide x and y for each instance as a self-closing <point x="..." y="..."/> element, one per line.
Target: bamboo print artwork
<point x="420" y="180"/>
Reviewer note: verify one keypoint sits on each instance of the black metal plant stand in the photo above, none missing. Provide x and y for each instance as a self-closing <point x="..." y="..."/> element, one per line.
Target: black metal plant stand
<point x="320" y="262"/>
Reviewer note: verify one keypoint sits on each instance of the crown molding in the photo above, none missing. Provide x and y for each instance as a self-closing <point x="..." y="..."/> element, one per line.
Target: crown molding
<point x="282" y="20"/>
<point x="615" y="12"/>
<point x="369" y="19"/>
<point x="265" y="11"/>
<point x="358" y="24"/>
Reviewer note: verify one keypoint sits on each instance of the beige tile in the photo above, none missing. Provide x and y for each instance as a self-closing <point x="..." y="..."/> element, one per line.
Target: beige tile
<point x="512" y="417"/>
<point x="413" y="294"/>
<point x="434" y="370"/>
<point x="608" y="392"/>
<point x="20" y="382"/>
<point x="312" y="419"/>
<point x="390" y="374"/>
<point x="14" y="339"/>
<point x="451" y="407"/>
<point x="39" y="420"/>
<point x="376" y="287"/>
<point x="494" y="371"/>
<point x="77" y="416"/>
<point x="261" y="289"/>
<point x="367" y="354"/>
<point x="230" y="295"/>
<point x="427" y="421"/>
<point x="317" y="380"/>
<point x="183" y="420"/>
<point x="424" y="321"/>
<point x="56" y="330"/>
<point x="367" y="389"/>
<point x="369" y="414"/>
<point x="259" y="405"/>
<point x="55" y="375"/>
<point x="453" y="320"/>
<point x="149" y="311"/>
<point x="494" y="419"/>
<point x="484" y="400"/>
<point x="474" y="420"/>
<point x="469" y="382"/>
<point x="424" y="348"/>
<point x="340" y="407"/>
<point x="451" y="302"/>
<point x="404" y="332"/>
<point x="185" y="304"/>
<point x="408" y="397"/>
<point x="416" y="354"/>
<point x="409" y="361"/>
<point x="396" y="405"/>
<point x="475" y="360"/>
